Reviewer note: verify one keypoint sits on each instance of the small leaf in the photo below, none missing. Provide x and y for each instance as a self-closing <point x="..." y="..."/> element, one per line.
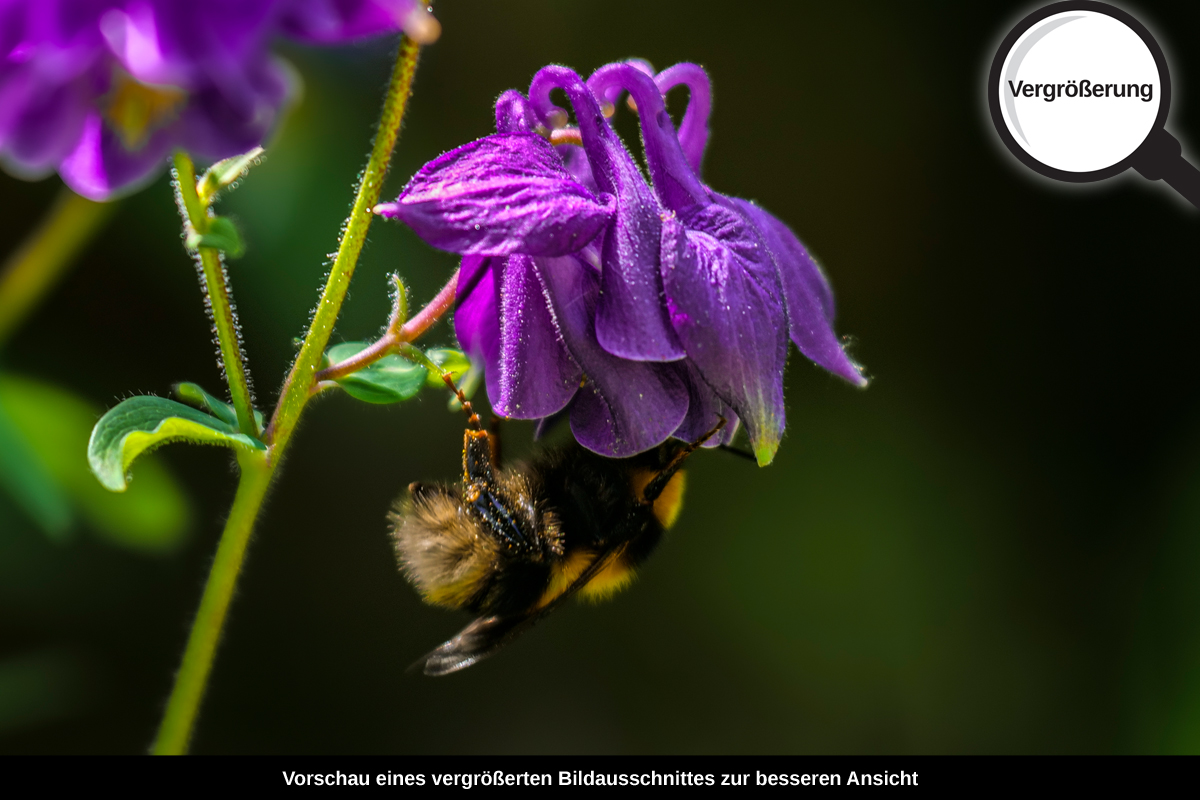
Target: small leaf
<point x="391" y="379"/>
<point x="224" y="173"/>
<point x="193" y="394"/>
<point x="456" y="362"/>
<point x="27" y="481"/>
<point x="140" y="424"/>
<point x="152" y="516"/>
<point x="340" y="352"/>
<point x="222" y="234"/>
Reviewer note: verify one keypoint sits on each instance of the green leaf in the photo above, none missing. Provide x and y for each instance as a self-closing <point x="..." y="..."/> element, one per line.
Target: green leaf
<point x="391" y="379"/>
<point x="140" y="424"/>
<point x="456" y="362"/>
<point x="222" y="234"/>
<point x="152" y="516"/>
<point x="26" y="480"/>
<point x="225" y="173"/>
<point x="193" y="394"/>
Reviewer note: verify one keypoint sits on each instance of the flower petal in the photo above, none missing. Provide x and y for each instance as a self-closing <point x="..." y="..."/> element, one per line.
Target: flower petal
<point x="537" y="375"/>
<point x="725" y="304"/>
<point x="213" y="127"/>
<point x="334" y="21"/>
<point x="477" y="317"/>
<point x="191" y="45"/>
<point x="45" y="86"/>
<point x="514" y="114"/>
<point x="99" y="167"/>
<point x="630" y="319"/>
<point x="505" y="193"/>
<point x="624" y="407"/>
<point x="43" y="129"/>
<point x="705" y="409"/>
<point x="806" y="292"/>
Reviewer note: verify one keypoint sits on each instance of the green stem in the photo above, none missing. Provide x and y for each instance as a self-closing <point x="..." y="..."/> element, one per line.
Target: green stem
<point x="300" y="379"/>
<point x="220" y="302"/>
<point x="185" y="699"/>
<point x="257" y="473"/>
<point x="400" y="330"/>
<point x="35" y="268"/>
<point x="383" y="346"/>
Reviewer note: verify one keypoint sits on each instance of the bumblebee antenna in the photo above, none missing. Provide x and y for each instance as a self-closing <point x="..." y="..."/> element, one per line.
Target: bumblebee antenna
<point x="472" y="417"/>
<point x="415" y="355"/>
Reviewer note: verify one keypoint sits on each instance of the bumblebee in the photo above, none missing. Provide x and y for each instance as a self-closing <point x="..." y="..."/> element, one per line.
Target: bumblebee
<point x="510" y="545"/>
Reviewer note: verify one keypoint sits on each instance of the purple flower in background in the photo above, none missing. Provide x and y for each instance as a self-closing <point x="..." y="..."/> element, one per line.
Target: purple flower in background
<point x="648" y="310"/>
<point x="102" y="91"/>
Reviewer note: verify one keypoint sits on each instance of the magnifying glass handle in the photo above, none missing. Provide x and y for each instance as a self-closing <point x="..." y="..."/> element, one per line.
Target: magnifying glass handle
<point x="1161" y="158"/>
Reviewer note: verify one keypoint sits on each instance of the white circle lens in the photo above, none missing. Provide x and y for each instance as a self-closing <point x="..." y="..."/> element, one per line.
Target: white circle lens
<point x="1080" y="91"/>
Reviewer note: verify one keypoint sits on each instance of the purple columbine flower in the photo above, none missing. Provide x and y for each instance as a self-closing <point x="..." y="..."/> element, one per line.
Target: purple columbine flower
<point x="104" y="90"/>
<point x="648" y="310"/>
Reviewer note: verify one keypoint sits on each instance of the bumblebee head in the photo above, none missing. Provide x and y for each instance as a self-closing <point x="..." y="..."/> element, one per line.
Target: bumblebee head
<point x="490" y="552"/>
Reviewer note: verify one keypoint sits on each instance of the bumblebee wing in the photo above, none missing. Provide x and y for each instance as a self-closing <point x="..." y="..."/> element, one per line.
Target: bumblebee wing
<point x="486" y="635"/>
<point x="473" y="643"/>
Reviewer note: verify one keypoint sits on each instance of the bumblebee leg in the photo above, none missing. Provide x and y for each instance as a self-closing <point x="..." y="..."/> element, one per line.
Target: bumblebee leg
<point x="478" y="467"/>
<point x="659" y="482"/>
<point x="479" y="451"/>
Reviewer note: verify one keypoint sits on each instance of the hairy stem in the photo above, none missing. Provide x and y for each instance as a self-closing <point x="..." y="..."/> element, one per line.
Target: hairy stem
<point x="42" y="259"/>
<point x="220" y="302"/>
<point x="176" y="729"/>
<point x="431" y="313"/>
<point x="257" y="473"/>
<point x="383" y="346"/>
<point x="397" y="334"/>
<point x="300" y="379"/>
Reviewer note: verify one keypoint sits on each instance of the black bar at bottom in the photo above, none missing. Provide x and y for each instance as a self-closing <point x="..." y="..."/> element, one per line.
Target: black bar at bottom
<point x="768" y="775"/>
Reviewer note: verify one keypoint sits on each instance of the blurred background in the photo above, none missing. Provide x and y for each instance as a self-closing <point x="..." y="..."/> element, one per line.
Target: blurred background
<point x="994" y="548"/>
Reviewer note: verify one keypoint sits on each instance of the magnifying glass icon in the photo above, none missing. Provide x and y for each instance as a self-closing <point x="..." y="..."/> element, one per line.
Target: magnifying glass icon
<point x="1079" y="92"/>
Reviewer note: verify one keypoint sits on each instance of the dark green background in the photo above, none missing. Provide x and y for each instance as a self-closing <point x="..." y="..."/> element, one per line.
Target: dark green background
<point x="995" y="548"/>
